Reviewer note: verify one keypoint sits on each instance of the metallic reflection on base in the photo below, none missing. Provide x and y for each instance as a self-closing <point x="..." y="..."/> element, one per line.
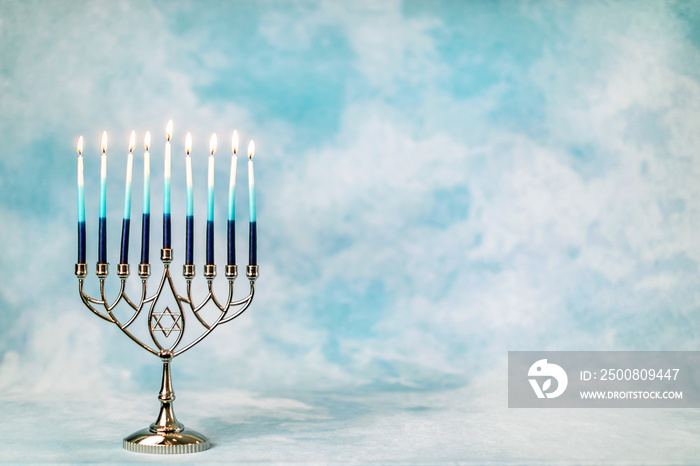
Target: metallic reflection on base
<point x="166" y="443"/>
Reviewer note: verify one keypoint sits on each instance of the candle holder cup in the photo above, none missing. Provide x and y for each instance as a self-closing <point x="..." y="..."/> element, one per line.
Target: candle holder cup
<point x="166" y="435"/>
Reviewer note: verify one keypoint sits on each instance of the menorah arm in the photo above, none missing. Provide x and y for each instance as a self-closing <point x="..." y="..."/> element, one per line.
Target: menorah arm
<point x="201" y="337"/>
<point x="87" y="300"/>
<point x="224" y="308"/>
<point x="128" y="333"/>
<point x="136" y="340"/>
<point x="107" y="307"/>
<point x="196" y="309"/>
<point x="143" y="296"/>
<point x="245" y="301"/>
<point x="137" y="309"/>
<point x="112" y="317"/>
<point x="216" y="301"/>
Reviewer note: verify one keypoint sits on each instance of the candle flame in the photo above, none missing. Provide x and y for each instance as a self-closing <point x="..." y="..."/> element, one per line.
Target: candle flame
<point x="132" y="141"/>
<point x="251" y="149"/>
<point x="169" y="129"/>
<point x="188" y="143"/>
<point x="212" y="144"/>
<point x="234" y="141"/>
<point x="147" y="140"/>
<point x="104" y="142"/>
<point x="80" y="145"/>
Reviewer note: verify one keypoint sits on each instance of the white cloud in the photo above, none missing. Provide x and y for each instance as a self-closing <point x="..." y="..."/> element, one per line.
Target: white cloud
<point x="391" y="49"/>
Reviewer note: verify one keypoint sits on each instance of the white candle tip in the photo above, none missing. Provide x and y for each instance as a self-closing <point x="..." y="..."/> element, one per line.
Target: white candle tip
<point x="169" y="129"/>
<point x="212" y="144"/>
<point x="234" y="141"/>
<point x="132" y="141"/>
<point x="80" y="145"/>
<point x="147" y="140"/>
<point x="188" y="143"/>
<point x="251" y="149"/>
<point x="104" y="142"/>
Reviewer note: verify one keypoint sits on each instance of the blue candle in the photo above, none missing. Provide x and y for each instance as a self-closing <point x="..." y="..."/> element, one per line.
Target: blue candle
<point x="189" y="231"/>
<point x="166" y="188"/>
<point x="253" y="235"/>
<point x="81" y="204"/>
<point x="232" y="202"/>
<point x="210" y="201"/>
<point x="146" y="220"/>
<point x="102" y="227"/>
<point x="124" y="253"/>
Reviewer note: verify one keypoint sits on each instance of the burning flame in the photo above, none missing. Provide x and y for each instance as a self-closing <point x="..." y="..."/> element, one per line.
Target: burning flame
<point x="251" y="149"/>
<point x="188" y="143"/>
<point x="104" y="142"/>
<point x="132" y="141"/>
<point x="212" y="144"/>
<point x="234" y="142"/>
<point x="147" y="140"/>
<point x="169" y="130"/>
<point x="80" y="145"/>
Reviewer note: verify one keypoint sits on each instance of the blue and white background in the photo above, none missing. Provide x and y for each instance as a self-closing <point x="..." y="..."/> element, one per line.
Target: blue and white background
<point x="437" y="183"/>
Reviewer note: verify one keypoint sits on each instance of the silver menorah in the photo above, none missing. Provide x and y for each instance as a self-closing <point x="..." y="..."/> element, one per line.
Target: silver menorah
<point x="166" y="435"/>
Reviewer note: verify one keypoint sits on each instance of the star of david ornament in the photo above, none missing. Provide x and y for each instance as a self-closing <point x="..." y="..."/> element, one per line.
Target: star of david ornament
<point x="166" y="322"/>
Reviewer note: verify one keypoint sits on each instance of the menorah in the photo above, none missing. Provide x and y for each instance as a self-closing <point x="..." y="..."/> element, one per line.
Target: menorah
<point x="166" y="323"/>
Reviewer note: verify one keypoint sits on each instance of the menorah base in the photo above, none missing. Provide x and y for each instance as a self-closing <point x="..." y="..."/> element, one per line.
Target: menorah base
<point x="166" y="443"/>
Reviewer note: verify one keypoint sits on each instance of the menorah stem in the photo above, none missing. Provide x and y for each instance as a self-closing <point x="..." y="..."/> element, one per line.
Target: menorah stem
<point x="166" y="422"/>
<point x="166" y="435"/>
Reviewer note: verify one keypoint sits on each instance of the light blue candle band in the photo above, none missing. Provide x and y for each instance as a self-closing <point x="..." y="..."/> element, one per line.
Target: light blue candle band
<point x="81" y="204"/>
<point x="210" y="204"/>
<point x="147" y="196"/>
<point x="190" y="202"/>
<point x="103" y="197"/>
<point x="232" y="203"/>
<point x="127" y="202"/>
<point x="166" y="196"/>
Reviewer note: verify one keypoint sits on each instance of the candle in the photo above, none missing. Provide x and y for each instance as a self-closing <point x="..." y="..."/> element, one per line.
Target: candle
<point x="189" y="233"/>
<point x="81" y="204"/>
<point x="253" y="237"/>
<point x="124" y="254"/>
<point x="166" y="188"/>
<point x="232" y="202"/>
<point x="210" y="201"/>
<point x="146" y="219"/>
<point x="102" y="243"/>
